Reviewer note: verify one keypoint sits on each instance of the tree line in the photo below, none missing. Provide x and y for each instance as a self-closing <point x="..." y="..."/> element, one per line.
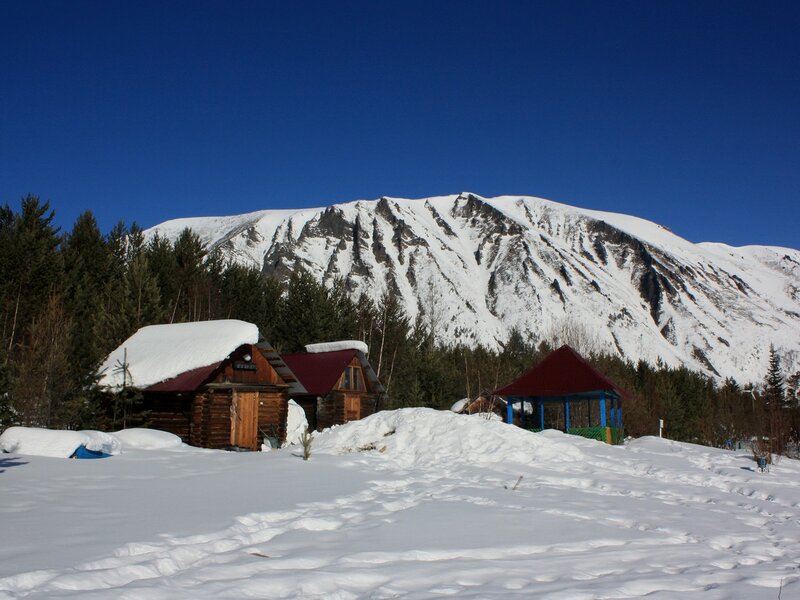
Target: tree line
<point x="68" y="299"/>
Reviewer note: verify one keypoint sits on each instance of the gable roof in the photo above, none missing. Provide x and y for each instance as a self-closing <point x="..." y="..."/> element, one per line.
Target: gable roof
<point x="318" y="372"/>
<point x="158" y="353"/>
<point x="563" y="372"/>
<point x="281" y="368"/>
<point x="187" y="381"/>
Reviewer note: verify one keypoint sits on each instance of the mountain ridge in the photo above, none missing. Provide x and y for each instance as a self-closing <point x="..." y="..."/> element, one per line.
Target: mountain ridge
<point x="479" y="267"/>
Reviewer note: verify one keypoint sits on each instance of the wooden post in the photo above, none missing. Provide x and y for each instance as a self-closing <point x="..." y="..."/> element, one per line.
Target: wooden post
<point x="613" y="413"/>
<point x="233" y="411"/>
<point x="602" y="409"/>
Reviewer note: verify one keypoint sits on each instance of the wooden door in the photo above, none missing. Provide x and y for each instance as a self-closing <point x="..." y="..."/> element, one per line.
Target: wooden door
<point x="244" y="420"/>
<point x="352" y="407"/>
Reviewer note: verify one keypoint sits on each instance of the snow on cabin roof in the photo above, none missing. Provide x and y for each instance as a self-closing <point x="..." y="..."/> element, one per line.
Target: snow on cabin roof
<point x="336" y="346"/>
<point x="160" y="352"/>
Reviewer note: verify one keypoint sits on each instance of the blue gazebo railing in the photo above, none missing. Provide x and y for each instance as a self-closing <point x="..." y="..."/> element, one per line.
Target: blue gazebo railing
<point x="606" y="425"/>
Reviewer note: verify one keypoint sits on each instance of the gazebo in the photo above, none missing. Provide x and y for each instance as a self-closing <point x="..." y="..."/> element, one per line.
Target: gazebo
<point x="583" y="401"/>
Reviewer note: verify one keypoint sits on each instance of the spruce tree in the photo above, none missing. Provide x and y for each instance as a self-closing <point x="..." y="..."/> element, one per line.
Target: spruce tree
<point x="30" y="266"/>
<point x="163" y="264"/>
<point x="192" y="275"/>
<point x="87" y="262"/>
<point x="248" y="295"/>
<point x="300" y="320"/>
<point x="31" y="273"/>
<point x="43" y="389"/>
<point x="775" y="388"/>
<point x="777" y="419"/>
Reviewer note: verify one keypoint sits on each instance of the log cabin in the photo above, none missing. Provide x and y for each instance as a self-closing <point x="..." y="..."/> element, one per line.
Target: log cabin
<point x="211" y="383"/>
<point x="340" y="384"/>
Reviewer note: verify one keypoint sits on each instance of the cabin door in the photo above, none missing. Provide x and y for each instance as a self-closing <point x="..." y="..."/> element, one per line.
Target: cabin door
<point x="352" y="407"/>
<point x="244" y="420"/>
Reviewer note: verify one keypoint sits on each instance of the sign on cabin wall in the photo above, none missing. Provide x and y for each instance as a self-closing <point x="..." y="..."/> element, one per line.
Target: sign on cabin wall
<point x="244" y="366"/>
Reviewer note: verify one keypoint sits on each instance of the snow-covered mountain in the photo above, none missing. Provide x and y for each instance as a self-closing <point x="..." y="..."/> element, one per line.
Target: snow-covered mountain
<point x="478" y="267"/>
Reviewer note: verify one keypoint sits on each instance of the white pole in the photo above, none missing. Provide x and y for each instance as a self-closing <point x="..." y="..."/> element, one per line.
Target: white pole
<point x="660" y="426"/>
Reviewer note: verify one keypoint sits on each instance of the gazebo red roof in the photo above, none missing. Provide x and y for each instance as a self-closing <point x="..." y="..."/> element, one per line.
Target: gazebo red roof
<point x="318" y="372"/>
<point x="563" y="372"/>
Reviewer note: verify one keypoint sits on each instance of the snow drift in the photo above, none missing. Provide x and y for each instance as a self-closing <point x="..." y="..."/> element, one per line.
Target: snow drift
<point x="415" y="436"/>
<point x="33" y="441"/>
<point x="58" y="444"/>
<point x="296" y="423"/>
<point x="408" y="512"/>
<point x="147" y="439"/>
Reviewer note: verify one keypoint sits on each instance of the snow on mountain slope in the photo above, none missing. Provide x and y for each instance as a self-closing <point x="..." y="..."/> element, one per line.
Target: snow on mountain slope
<point x="479" y="267"/>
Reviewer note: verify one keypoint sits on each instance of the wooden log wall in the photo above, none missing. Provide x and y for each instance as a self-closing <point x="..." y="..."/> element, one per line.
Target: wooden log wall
<point x="273" y="410"/>
<point x="309" y="406"/>
<point x="331" y="409"/>
<point x="368" y="404"/>
<point x="211" y="419"/>
<point x="169" y="413"/>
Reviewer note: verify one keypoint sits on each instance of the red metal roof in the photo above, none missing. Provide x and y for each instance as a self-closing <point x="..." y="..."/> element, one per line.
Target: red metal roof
<point x="563" y="372"/>
<point x="319" y="372"/>
<point x="188" y="381"/>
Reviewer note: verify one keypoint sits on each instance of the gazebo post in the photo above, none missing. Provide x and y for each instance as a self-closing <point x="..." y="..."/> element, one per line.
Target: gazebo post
<point x="541" y="414"/>
<point x="612" y="401"/>
<point x="510" y="410"/>
<point x="522" y="412"/>
<point x="566" y="414"/>
<point x="602" y="409"/>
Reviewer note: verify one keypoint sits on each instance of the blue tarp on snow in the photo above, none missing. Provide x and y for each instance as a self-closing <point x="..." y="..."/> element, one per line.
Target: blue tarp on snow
<point x="83" y="452"/>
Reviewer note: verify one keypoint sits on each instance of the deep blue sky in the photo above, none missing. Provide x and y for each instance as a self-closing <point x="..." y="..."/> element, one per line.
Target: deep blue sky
<point x="686" y="113"/>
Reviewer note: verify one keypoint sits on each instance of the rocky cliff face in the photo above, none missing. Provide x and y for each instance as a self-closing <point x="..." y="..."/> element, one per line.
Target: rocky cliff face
<point x="478" y="267"/>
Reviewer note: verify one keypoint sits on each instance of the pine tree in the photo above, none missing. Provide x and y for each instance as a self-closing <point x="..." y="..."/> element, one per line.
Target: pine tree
<point x="163" y="264"/>
<point x="41" y="384"/>
<point x="87" y="263"/>
<point x="248" y="295"/>
<point x="777" y="425"/>
<point x="193" y="275"/>
<point x="131" y="297"/>
<point x="31" y="273"/>
<point x="30" y="266"/>
<point x="775" y="388"/>
<point x="309" y="312"/>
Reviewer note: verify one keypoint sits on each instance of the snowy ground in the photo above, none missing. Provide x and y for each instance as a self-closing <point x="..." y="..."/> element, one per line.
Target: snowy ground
<point x="409" y="504"/>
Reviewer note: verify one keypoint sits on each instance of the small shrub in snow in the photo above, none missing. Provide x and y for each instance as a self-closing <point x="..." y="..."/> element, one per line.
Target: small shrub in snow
<point x="306" y="442"/>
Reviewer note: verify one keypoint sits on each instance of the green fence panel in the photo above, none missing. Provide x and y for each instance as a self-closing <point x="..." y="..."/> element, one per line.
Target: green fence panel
<point x="595" y="433"/>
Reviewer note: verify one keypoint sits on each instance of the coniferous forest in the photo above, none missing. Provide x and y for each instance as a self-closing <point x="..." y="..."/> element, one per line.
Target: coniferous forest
<point x="68" y="298"/>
